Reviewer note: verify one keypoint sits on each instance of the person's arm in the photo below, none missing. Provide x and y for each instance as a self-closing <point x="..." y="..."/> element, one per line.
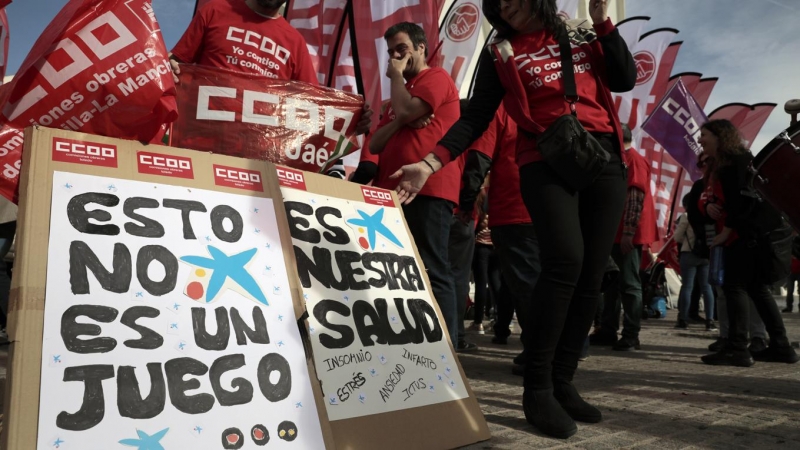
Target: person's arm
<point x="620" y="68"/>
<point x="475" y="170"/>
<point x="633" y="211"/>
<point x="406" y="108"/>
<point x="381" y="136"/>
<point x="734" y="179"/>
<point x="680" y="230"/>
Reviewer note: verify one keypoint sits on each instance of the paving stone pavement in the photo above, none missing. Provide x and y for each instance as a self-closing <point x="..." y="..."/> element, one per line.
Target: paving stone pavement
<point x="660" y="397"/>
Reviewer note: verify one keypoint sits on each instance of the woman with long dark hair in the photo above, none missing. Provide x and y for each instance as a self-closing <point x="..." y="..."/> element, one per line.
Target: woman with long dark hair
<point x="745" y="228"/>
<point x="575" y="228"/>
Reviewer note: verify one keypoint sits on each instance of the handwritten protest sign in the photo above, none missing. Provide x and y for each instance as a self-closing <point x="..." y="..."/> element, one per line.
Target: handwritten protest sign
<point x="378" y="341"/>
<point x="169" y="322"/>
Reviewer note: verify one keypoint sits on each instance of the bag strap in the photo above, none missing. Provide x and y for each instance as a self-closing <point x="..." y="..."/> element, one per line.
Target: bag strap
<point x="567" y="71"/>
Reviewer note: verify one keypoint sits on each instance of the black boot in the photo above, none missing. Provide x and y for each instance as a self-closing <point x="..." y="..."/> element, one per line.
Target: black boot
<point x="573" y="404"/>
<point x="543" y="411"/>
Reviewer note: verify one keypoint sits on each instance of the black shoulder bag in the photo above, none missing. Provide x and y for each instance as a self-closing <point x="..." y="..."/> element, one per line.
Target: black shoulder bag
<point x="574" y="154"/>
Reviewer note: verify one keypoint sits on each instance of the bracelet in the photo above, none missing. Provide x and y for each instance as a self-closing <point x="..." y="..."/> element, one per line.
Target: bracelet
<point x="429" y="165"/>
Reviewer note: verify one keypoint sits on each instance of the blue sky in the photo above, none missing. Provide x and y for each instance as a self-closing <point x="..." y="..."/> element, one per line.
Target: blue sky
<point x="751" y="45"/>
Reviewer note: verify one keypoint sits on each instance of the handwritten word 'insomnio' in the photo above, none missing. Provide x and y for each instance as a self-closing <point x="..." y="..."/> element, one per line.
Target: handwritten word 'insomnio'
<point x="348" y="358"/>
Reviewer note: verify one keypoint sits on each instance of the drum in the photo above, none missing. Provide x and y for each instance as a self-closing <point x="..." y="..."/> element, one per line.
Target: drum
<point x="776" y="171"/>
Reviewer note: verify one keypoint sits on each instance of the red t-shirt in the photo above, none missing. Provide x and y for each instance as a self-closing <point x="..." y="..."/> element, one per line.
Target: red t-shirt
<point x="228" y="34"/>
<point x="639" y="178"/>
<point x="538" y="60"/>
<point x="505" y="200"/>
<point x="409" y="145"/>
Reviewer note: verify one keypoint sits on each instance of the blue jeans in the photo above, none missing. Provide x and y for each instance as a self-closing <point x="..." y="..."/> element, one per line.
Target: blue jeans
<point x="694" y="267"/>
<point x="429" y="219"/>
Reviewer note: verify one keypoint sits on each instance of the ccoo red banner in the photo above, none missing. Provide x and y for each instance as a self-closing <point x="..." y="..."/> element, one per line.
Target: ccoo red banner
<point x="100" y="67"/>
<point x="251" y="116"/>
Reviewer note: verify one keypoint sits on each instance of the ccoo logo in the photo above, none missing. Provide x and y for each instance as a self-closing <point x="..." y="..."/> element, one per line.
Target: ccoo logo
<point x="463" y="22"/>
<point x="645" y="67"/>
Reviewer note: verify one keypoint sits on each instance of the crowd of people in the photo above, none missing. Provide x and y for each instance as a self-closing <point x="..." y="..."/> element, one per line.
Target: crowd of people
<point x="538" y="246"/>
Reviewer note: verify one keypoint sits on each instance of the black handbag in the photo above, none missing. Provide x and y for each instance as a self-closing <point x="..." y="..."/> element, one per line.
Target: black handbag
<point x="573" y="153"/>
<point x="774" y="255"/>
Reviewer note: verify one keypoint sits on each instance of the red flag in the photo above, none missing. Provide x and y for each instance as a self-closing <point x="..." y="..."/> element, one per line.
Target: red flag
<point x="100" y="67"/>
<point x="4" y="35"/>
<point x="4" y="3"/>
<point x="372" y="19"/>
<point x="748" y="119"/>
<point x="320" y="22"/>
<point x="252" y="116"/>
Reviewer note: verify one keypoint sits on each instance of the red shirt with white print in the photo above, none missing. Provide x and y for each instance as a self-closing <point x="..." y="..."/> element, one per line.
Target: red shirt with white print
<point x="230" y="35"/>
<point x="505" y="199"/>
<point x="713" y="194"/>
<point x="538" y="59"/>
<point x="409" y="145"/>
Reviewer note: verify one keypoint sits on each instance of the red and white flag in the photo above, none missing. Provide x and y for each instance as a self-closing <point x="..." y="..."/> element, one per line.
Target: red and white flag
<point x="460" y="36"/>
<point x="100" y="67"/>
<point x="567" y="9"/>
<point x="320" y="22"/>
<point x="748" y="119"/>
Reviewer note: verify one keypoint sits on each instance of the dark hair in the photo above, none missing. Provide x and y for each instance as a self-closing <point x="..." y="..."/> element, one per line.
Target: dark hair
<point x="627" y="137"/>
<point x="415" y="33"/>
<point x="545" y="10"/>
<point x="729" y="140"/>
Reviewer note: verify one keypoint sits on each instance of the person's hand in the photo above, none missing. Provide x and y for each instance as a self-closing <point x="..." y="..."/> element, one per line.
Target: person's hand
<point x="413" y="178"/>
<point x="176" y="70"/>
<point x="598" y="10"/>
<point x="365" y="122"/>
<point x="714" y="211"/>
<point x="722" y="237"/>
<point x="422" y="122"/>
<point x="626" y="244"/>
<point x="397" y="66"/>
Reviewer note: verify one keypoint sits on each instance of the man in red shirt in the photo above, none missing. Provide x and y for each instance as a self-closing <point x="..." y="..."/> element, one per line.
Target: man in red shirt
<point x="424" y="104"/>
<point x="638" y="228"/>
<point x="249" y="36"/>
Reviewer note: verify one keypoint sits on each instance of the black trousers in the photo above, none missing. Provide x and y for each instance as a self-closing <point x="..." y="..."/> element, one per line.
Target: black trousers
<point x="740" y="286"/>
<point x="518" y="254"/>
<point x="575" y="231"/>
<point x="486" y="273"/>
<point x="460" y="249"/>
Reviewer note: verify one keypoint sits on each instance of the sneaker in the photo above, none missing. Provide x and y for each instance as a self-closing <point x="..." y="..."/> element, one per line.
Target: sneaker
<point x="711" y="326"/>
<point x="500" y="340"/>
<point x="729" y="357"/>
<point x="682" y="324"/>
<point x="602" y="338"/>
<point x="757" y="345"/>
<point x="777" y="354"/>
<point x="697" y="318"/>
<point x="718" y="345"/>
<point x="788" y="309"/>
<point x="466" y="347"/>
<point x="627" y="344"/>
<point x="476" y="328"/>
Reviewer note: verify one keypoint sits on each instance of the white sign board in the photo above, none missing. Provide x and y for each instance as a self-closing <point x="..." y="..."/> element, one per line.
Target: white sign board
<point x="169" y="322"/>
<point x="378" y="343"/>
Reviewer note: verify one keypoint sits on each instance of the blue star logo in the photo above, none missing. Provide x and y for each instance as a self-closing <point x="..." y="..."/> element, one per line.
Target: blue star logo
<point x="444" y="358"/>
<point x="111" y="187"/>
<point x="225" y="267"/>
<point x="208" y="238"/>
<point x="255" y="210"/>
<point x="281" y="344"/>
<point x="374" y="225"/>
<point x="173" y="326"/>
<point x="182" y="345"/>
<point x="139" y="294"/>
<point x="57" y="359"/>
<point x="176" y="306"/>
<point x="298" y="405"/>
<point x="268" y="246"/>
<point x="280" y="317"/>
<point x="198" y="429"/>
<point x="361" y="398"/>
<point x="68" y="186"/>
<point x="373" y="372"/>
<point x="439" y="377"/>
<point x="57" y="443"/>
<point x="268" y="268"/>
<point x="305" y="296"/>
<point x="257" y="230"/>
<point x="145" y="441"/>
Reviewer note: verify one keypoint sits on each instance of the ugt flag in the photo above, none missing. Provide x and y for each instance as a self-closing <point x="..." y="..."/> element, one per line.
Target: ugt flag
<point x="675" y="124"/>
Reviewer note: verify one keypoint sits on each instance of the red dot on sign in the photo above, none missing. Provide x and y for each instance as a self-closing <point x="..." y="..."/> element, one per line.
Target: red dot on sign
<point x="232" y="438"/>
<point x="363" y="242"/>
<point x="195" y="290"/>
<point x="258" y="434"/>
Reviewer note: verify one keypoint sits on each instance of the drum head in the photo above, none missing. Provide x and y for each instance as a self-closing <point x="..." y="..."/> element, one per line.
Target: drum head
<point x="774" y="144"/>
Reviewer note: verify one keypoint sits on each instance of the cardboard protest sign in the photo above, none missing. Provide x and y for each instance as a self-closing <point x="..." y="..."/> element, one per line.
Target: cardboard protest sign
<point x="100" y="67"/>
<point x="380" y="349"/>
<point x="257" y="117"/>
<point x="168" y="317"/>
